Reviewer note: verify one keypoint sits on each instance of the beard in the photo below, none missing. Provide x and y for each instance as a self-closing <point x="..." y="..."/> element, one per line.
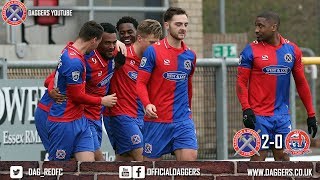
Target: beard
<point x="178" y="36"/>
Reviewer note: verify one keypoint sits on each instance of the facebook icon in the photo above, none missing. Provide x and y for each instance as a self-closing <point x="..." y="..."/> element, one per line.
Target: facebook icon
<point x="138" y="172"/>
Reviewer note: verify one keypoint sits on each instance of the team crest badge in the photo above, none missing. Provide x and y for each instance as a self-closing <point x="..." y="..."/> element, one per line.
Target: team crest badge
<point x="288" y="58"/>
<point x="247" y="142"/>
<point x="187" y="64"/>
<point x="75" y="75"/>
<point x="297" y="143"/>
<point x="135" y="139"/>
<point x="14" y="13"/>
<point x="147" y="148"/>
<point x="60" y="154"/>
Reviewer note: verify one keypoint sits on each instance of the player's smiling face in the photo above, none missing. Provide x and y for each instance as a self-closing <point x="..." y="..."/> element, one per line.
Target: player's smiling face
<point x="127" y="33"/>
<point x="177" y="26"/>
<point x="107" y="45"/>
<point x="265" y="29"/>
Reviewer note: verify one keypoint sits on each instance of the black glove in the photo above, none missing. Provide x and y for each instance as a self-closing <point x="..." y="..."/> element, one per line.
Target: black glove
<point x="249" y="118"/>
<point x="119" y="59"/>
<point x="312" y="126"/>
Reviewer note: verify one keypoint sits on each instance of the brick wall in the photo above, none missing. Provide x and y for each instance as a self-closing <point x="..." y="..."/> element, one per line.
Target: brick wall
<point x="194" y="37"/>
<point x="218" y="170"/>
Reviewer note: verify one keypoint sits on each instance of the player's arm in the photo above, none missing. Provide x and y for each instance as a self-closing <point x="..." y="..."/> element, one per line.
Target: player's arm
<point x="146" y="67"/>
<point x="49" y="79"/>
<point x="302" y="84"/>
<point x="54" y="93"/>
<point x="190" y="80"/>
<point x="73" y="71"/>
<point x="304" y="91"/>
<point x="244" y="71"/>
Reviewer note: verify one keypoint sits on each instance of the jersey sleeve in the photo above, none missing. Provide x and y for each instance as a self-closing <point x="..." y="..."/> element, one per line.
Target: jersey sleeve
<point x="302" y="83"/>
<point x="148" y="60"/>
<point x="246" y="57"/>
<point x="73" y="70"/>
<point x="190" y="80"/>
<point x="244" y="70"/>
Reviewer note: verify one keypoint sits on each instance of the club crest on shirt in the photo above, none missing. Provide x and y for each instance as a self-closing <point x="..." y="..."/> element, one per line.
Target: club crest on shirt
<point x="187" y="64"/>
<point x="143" y="62"/>
<point x="135" y="139"/>
<point x="147" y="148"/>
<point x="288" y="58"/>
<point x="60" y="154"/>
<point x="75" y="75"/>
<point x="240" y="59"/>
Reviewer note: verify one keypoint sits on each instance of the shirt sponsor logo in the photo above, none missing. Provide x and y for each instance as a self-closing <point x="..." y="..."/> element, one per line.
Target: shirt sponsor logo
<point x="277" y="70"/>
<point x="105" y="80"/>
<point x="133" y="75"/>
<point x="175" y="76"/>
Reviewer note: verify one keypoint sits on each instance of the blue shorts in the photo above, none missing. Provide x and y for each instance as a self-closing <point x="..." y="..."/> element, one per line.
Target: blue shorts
<point x="96" y="129"/>
<point x="67" y="138"/>
<point x="164" y="138"/>
<point x="271" y="126"/>
<point x="107" y="126"/>
<point x="127" y="133"/>
<point x="41" y="118"/>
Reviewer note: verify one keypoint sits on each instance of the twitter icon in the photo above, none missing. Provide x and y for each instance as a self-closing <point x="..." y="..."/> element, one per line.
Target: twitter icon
<point x="16" y="172"/>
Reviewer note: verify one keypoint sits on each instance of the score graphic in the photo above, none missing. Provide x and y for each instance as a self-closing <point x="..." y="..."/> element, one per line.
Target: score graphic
<point x="247" y="142"/>
<point x="297" y="143"/>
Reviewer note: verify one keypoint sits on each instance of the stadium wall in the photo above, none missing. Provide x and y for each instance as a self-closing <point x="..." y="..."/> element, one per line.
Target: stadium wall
<point x="219" y="170"/>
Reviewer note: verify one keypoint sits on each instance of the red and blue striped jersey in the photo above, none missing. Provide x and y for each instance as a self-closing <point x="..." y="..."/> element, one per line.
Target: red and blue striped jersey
<point x="169" y="88"/>
<point x="98" y="75"/>
<point x="123" y="83"/>
<point x="267" y="70"/>
<point x="45" y="102"/>
<point x="70" y="71"/>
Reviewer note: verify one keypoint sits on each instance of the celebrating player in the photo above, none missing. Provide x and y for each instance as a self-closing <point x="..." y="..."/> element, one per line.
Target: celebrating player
<point x="263" y="84"/>
<point x="164" y="86"/>
<point x="127" y="115"/>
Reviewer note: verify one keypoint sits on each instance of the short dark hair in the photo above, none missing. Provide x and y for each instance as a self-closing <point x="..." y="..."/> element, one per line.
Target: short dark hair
<point x="269" y="15"/>
<point x="167" y="16"/>
<point x="127" y="19"/>
<point x="108" y="28"/>
<point x="90" y="30"/>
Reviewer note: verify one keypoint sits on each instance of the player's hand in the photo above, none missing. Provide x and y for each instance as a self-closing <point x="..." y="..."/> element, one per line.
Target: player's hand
<point x="151" y="111"/>
<point x="312" y="126"/>
<point x="57" y="96"/>
<point x="121" y="47"/>
<point x="119" y="59"/>
<point x="249" y="118"/>
<point x="109" y="100"/>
